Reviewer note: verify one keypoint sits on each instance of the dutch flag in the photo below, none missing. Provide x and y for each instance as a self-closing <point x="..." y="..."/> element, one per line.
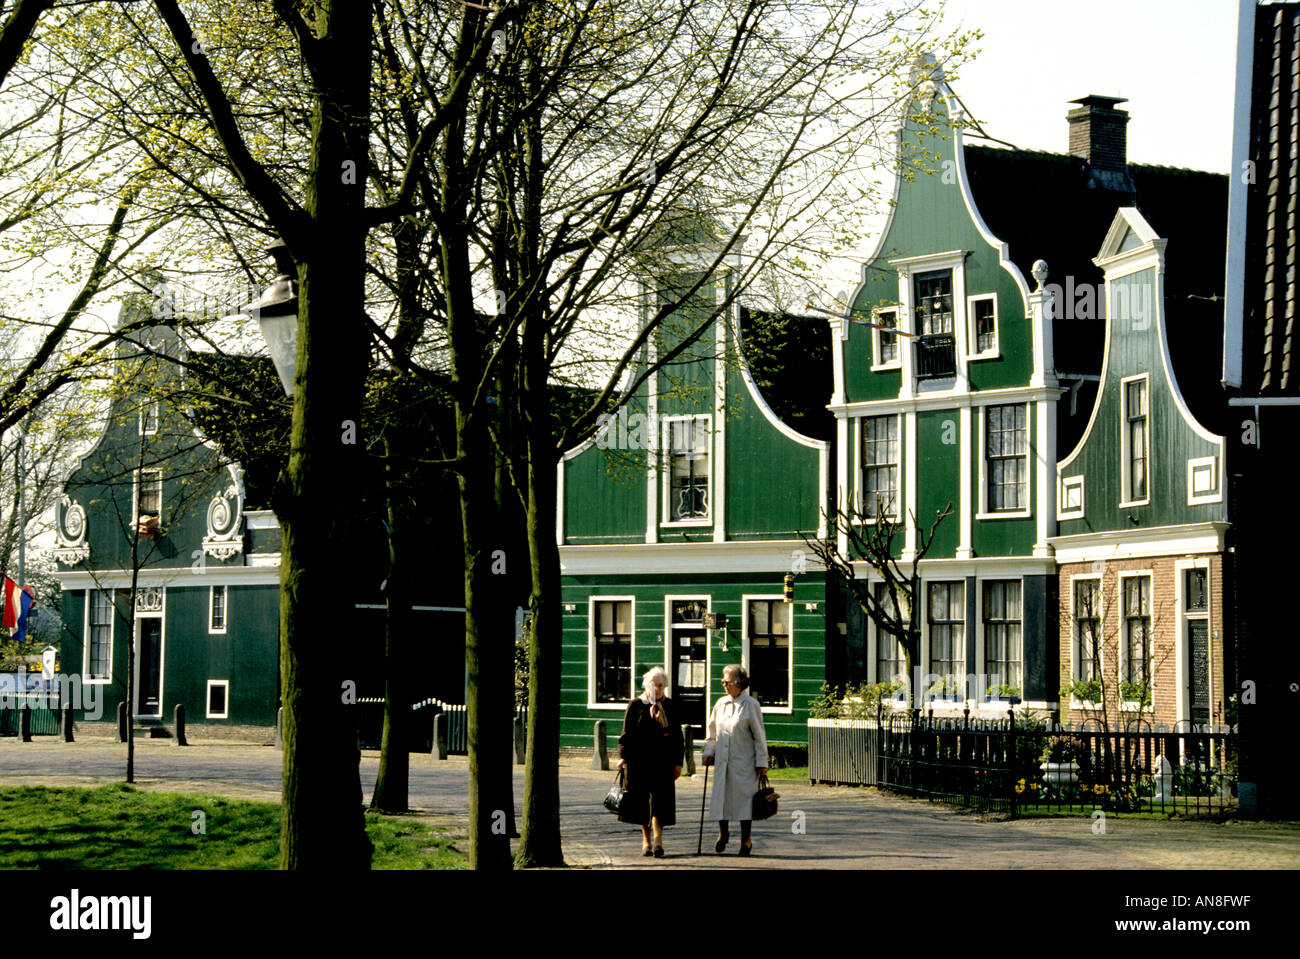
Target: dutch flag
<point x="17" y="603"/>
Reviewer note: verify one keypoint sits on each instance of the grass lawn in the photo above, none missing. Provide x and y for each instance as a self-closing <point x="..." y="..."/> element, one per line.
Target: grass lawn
<point x="789" y="772"/>
<point x="121" y="827"/>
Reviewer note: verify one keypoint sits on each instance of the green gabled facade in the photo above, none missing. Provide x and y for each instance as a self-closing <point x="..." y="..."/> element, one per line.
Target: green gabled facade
<point x="207" y="595"/>
<point x="960" y="409"/>
<point x="692" y="500"/>
<point x="1142" y="510"/>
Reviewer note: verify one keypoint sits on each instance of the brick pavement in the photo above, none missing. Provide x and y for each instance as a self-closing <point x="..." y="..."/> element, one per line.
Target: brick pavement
<point x="843" y="828"/>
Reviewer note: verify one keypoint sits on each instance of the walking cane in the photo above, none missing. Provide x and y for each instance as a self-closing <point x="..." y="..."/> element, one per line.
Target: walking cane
<point x="699" y="845"/>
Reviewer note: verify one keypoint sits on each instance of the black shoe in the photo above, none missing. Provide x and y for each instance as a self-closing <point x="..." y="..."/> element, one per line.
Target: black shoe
<point x="744" y="850"/>
<point x="659" y="852"/>
<point x="720" y="845"/>
<point x="647" y="851"/>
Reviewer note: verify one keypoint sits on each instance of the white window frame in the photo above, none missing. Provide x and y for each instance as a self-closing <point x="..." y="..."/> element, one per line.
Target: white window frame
<point x="1074" y="636"/>
<point x="972" y="335"/>
<point x="981" y="648"/>
<point x="207" y="699"/>
<point x="927" y="640"/>
<point x="876" y="636"/>
<point x="669" y="599"/>
<point x="137" y="482"/>
<point x="1125" y="459"/>
<point x="150" y="407"/>
<point x="161" y="616"/>
<point x="1069" y="483"/>
<point x="982" y="447"/>
<point x="1122" y="631"/>
<point x="744" y="653"/>
<point x="897" y="362"/>
<point x="1196" y="465"/>
<point x="667" y="478"/>
<point x="225" y="609"/>
<point x="591" y="651"/>
<point x="908" y="267"/>
<point x="1182" y="650"/>
<point x="862" y="472"/>
<point x="112" y="639"/>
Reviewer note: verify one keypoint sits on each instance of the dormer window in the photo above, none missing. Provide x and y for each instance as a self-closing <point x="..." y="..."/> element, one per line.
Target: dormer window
<point x="935" y="345"/>
<point x="687" y="479"/>
<point x="884" y="344"/>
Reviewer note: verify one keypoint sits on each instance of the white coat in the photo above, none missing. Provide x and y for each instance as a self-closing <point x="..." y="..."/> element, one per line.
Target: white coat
<point x="738" y="744"/>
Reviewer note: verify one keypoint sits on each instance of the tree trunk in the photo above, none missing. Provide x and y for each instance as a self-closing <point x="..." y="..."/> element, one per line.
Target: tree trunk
<point x="392" y="784"/>
<point x="322" y="814"/>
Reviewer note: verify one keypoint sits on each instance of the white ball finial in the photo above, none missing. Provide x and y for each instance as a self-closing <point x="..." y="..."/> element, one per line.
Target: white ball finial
<point x="1039" y="270"/>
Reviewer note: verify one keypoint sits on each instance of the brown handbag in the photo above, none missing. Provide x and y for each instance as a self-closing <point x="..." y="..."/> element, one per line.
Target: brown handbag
<point x="765" y="800"/>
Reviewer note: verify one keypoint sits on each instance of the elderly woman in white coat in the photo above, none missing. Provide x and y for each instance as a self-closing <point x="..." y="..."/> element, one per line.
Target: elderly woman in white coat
<point x="737" y="749"/>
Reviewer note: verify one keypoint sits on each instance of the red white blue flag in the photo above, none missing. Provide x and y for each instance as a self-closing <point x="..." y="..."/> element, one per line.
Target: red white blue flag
<point x="17" y="603"/>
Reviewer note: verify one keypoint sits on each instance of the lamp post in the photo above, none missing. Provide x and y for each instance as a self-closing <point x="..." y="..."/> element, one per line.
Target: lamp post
<point x="276" y="312"/>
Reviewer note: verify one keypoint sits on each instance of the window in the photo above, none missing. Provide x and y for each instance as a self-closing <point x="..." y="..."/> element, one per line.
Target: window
<point x="218" y="699"/>
<point x="217" y="609"/>
<point x="769" y="651"/>
<point x="935" y="345"/>
<point x="1195" y="597"/>
<point x="885" y="352"/>
<point x="612" y="626"/>
<point x="1007" y="458"/>
<point x="688" y="469"/>
<point x="1137" y="629"/>
<point x="983" y="312"/>
<point x="148" y="493"/>
<point x="1071" y="497"/>
<point x="1203" y="480"/>
<point x="1136" y="440"/>
<point x="1196" y="629"/>
<point x="149" y="418"/>
<point x="948" y="629"/>
<point x="1087" y="629"/>
<point x="99" y="647"/>
<point x="890" y="661"/>
<point x="1002" y="633"/>
<point x="880" y="464"/>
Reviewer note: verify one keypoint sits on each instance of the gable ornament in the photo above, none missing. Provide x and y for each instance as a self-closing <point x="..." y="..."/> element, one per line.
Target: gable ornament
<point x="223" y="539"/>
<point x="70" y="533"/>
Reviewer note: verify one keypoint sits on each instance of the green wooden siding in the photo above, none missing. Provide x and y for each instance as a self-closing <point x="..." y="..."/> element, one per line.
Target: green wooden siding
<point x="938" y="460"/>
<point x="1135" y="349"/>
<point x="807" y="643"/>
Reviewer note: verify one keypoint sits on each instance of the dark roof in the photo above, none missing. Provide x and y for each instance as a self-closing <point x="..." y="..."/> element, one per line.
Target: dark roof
<point x="1268" y="334"/>
<point x="1048" y="206"/>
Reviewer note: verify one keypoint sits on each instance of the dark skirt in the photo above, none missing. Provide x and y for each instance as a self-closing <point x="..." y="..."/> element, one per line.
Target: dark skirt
<point x="659" y="801"/>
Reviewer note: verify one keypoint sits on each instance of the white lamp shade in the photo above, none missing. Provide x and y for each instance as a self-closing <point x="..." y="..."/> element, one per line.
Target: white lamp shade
<point x="281" y="335"/>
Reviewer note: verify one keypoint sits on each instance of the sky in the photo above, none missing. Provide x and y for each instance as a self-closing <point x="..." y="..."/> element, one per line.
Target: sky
<point x="1172" y="59"/>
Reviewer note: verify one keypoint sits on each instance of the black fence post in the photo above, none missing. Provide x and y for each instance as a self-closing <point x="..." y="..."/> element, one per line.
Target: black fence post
<point x="25" y="723"/>
<point x="1011" y="757"/>
<point x="440" y="734"/>
<point x="65" y="724"/>
<point x="179" y="721"/>
<point x="600" y="751"/>
<point x="688" y="750"/>
<point x="520" y="744"/>
<point x="121" y="722"/>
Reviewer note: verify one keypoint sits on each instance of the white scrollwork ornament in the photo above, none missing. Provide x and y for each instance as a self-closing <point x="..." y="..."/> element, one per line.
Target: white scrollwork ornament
<point x="71" y="547"/>
<point x="224" y="513"/>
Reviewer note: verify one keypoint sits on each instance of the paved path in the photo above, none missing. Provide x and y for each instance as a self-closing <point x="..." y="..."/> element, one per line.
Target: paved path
<point x="842" y="828"/>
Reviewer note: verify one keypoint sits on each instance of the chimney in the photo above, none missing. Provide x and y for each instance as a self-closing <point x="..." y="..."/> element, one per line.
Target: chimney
<point x="1097" y="133"/>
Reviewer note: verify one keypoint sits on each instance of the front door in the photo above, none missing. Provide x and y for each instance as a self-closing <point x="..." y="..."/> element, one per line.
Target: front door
<point x="148" y="651"/>
<point x="688" y="663"/>
<point x="1198" y="645"/>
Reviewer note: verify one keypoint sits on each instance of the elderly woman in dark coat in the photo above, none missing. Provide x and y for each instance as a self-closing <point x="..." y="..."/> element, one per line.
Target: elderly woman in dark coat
<point x="651" y="753"/>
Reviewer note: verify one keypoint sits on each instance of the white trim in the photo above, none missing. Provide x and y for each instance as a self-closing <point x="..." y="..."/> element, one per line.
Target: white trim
<point x="225" y="608"/>
<point x="182" y="578"/>
<point x="1044" y="495"/>
<point x="908" y="267"/>
<point x="947" y="401"/>
<point x="965" y="536"/>
<point x="1238" y="197"/>
<point x="161" y="616"/>
<point x="1182" y="650"/>
<point x="842" y="453"/>
<point x="85" y="634"/>
<point x="908" y="453"/>
<point x="1101" y="631"/>
<point x="745" y="600"/>
<point x="1067" y="483"/>
<point x="261" y="519"/>
<point x="897" y="362"/>
<point x="972" y="337"/>
<point x="995" y="567"/>
<point x="669" y="599"/>
<point x="1216" y="494"/>
<point x="665" y="434"/>
<point x="735" y="556"/>
<point x="900" y="508"/>
<point x="983" y="512"/>
<point x="155" y="407"/>
<point x="137" y="481"/>
<point x="929" y="262"/>
<point x="1140" y="543"/>
<point x="652" y="454"/>
<point x="207" y="699"/>
<point x="981" y="657"/>
<point x="591" y="651"/>
<point x="559" y="500"/>
<point x="1125" y="454"/>
<point x="718" y="441"/>
<point x="1121" y="644"/>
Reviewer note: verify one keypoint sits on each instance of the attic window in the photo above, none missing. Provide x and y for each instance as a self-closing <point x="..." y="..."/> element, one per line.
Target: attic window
<point x="149" y="418"/>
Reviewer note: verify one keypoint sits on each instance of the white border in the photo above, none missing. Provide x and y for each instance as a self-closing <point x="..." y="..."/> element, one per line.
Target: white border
<point x="1194" y="498"/>
<point x="972" y="336"/>
<point x="207" y="699"/>
<point x="1067" y="482"/>
<point x="897" y="361"/>
<point x="591" y="651"/>
<point x="665" y="478"/>
<point x="745" y="600"/>
<point x="980" y="649"/>
<point x="1121" y="635"/>
<point x="859" y="490"/>
<point x="669" y="599"/>
<point x="1075" y="657"/>
<point x="161" y="616"/>
<point x="1125" y="454"/>
<point x="982" y="504"/>
<point x="1182" y="647"/>
<point x="225" y="609"/>
<point x="85" y="638"/>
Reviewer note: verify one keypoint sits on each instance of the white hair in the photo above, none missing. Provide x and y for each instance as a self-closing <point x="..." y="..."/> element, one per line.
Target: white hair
<point x="648" y="680"/>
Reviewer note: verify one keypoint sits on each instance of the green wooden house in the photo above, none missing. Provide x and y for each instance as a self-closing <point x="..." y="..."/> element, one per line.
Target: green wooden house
<point x="692" y="503"/>
<point x="154" y="502"/>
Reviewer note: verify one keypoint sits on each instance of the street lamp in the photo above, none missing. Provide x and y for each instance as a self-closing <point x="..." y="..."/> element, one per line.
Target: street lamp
<point x="276" y="312"/>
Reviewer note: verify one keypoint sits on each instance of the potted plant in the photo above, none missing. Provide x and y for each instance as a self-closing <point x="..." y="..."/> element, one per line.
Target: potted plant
<point x="1085" y="691"/>
<point x="1135" y="695"/>
<point x="945" y="687"/>
<point x="1060" y="761"/>
<point x="1004" y="692"/>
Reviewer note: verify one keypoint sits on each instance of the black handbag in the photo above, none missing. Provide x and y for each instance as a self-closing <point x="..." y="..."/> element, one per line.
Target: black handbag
<point x="614" y="798"/>
<point x="765" y="800"/>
